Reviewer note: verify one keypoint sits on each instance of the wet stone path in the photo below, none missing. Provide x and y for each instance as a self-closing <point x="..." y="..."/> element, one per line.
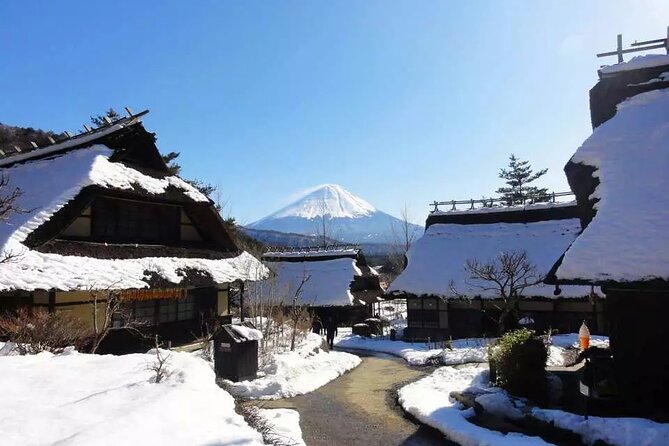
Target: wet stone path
<point x="360" y="407"/>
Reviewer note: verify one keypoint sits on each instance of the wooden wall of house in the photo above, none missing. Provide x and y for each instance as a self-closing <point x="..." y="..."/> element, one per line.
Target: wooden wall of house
<point x="441" y="319"/>
<point x="639" y="336"/>
<point x="207" y="302"/>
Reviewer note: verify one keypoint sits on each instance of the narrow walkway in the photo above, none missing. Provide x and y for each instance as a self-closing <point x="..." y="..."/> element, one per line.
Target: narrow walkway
<point x="360" y="408"/>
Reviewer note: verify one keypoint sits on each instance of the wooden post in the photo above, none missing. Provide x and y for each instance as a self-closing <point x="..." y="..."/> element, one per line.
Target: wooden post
<point x="619" y="50"/>
<point x="241" y="301"/>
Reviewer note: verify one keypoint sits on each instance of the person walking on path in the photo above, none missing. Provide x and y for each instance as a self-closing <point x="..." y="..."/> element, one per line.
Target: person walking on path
<point x="317" y="325"/>
<point x="330" y="331"/>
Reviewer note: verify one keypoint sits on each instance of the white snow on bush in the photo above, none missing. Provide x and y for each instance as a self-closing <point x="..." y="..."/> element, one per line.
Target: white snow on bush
<point x="48" y="185"/>
<point x="428" y="399"/>
<point x="463" y="351"/>
<point x="295" y="373"/>
<point x="637" y="63"/>
<point x="614" y="431"/>
<point x="79" y="399"/>
<point x="327" y="281"/>
<point x="437" y="260"/>
<point x="247" y="332"/>
<point x="630" y="153"/>
<point x="285" y="424"/>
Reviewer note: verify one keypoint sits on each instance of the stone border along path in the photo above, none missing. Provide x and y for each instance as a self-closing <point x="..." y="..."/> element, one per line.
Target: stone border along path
<point x="360" y="407"/>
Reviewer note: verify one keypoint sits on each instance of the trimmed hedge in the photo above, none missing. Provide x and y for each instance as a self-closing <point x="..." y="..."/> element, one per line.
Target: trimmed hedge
<point x="518" y="364"/>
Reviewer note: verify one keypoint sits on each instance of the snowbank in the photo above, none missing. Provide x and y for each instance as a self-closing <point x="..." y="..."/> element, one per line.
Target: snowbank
<point x="295" y="373"/>
<point x="79" y="399"/>
<point x="464" y="350"/>
<point x="428" y="400"/>
<point x="631" y="225"/>
<point x="436" y="261"/>
<point x="614" y="431"/>
<point x="286" y="426"/>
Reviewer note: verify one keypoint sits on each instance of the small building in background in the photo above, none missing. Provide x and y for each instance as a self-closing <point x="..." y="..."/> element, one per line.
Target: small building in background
<point x="442" y="298"/>
<point x="620" y="176"/>
<point x="334" y="282"/>
<point x="100" y="213"/>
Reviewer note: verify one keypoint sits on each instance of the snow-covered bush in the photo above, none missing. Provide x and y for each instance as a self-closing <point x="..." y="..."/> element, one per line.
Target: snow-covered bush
<point x="38" y="330"/>
<point x="518" y="364"/>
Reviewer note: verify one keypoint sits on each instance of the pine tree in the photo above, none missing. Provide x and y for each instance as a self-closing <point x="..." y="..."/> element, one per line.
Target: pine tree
<point x="99" y="120"/>
<point x="518" y="177"/>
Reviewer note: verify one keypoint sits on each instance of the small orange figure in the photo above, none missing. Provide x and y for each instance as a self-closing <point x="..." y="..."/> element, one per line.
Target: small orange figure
<point x="584" y="336"/>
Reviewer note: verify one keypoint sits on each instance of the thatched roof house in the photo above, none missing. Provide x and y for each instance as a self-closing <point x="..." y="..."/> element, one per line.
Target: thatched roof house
<point x="442" y="296"/>
<point x="327" y="279"/>
<point x="619" y="176"/>
<point x="100" y="211"/>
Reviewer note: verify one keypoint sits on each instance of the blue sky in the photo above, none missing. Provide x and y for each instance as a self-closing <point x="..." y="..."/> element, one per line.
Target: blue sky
<point x="399" y="102"/>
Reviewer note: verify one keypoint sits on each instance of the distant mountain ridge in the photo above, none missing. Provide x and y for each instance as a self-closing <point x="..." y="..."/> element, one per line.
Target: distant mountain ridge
<point x="348" y="218"/>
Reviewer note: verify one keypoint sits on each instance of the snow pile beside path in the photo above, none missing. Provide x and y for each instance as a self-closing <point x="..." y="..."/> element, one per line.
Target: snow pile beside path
<point x="614" y="431"/>
<point x="80" y="399"/>
<point x="428" y="399"/>
<point x="295" y="373"/>
<point x="464" y="350"/>
<point x="285" y="424"/>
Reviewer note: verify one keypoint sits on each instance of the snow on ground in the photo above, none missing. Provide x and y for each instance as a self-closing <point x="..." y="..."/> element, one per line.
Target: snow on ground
<point x="464" y="350"/>
<point x="295" y="373"/>
<point x="80" y="399"/>
<point x="614" y="431"/>
<point x="428" y="399"/>
<point x="285" y="424"/>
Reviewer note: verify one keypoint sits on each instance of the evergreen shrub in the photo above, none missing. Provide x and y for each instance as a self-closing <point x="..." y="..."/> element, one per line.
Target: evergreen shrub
<point x="518" y="364"/>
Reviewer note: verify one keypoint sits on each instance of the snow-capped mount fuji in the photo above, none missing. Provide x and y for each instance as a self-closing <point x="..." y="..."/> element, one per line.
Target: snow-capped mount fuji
<point x="347" y="218"/>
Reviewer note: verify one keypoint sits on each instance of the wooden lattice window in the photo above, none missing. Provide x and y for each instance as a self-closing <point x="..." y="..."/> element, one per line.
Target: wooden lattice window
<point x="126" y="221"/>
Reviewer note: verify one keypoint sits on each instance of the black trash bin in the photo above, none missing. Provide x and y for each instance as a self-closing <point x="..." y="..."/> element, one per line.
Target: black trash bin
<point x="236" y="352"/>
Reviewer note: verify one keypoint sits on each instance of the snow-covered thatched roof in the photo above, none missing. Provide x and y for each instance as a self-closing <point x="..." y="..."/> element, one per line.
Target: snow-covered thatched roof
<point x="50" y="183"/>
<point x="636" y="63"/>
<point x="326" y="282"/>
<point x="437" y="261"/>
<point x="628" y="238"/>
<point x="337" y="276"/>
